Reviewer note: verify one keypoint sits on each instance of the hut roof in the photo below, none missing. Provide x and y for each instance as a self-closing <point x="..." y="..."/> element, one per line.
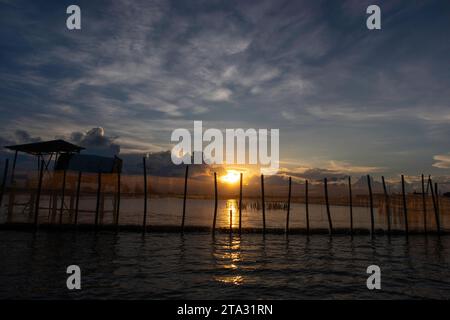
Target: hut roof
<point x="46" y="147"/>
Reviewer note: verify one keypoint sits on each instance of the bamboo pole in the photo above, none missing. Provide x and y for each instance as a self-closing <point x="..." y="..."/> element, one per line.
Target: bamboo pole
<point x="330" y="224"/>
<point x="71" y="205"/>
<point x="405" y="208"/>
<point x="240" y="205"/>
<point x="54" y="205"/>
<point x="437" y="194"/>
<point x="102" y="206"/>
<point x="118" y="198"/>
<point x="424" y="204"/>
<point x="350" y="198"/>
<point x="184" y="198"/>
<point x="5" y="175"/>
<point x="435" y="207"/>
<point x="388" y="206"/>
<point x="12" y="192"/>
<point x="144" y="222"/>
<point x="63" y="194"/>
<point x="307" y="206"/>
<point x="263" y="204"/>
<point x="372" y="220"/>
<point x="288" y="206"/>
<point x="99" y="189"/>
<point x="77" y="199"/>
<point x="13" y="171"/>
<point x="215" y="204"/>
<point x="38" y="196"/>
<point x="437" y="202"/>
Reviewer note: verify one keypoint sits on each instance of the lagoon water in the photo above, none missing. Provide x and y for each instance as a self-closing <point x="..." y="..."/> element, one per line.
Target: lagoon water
<point x="129" y="265"/>
<point x="199" y="212"/>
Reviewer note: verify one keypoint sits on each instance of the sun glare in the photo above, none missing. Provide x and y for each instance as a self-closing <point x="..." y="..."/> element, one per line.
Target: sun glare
<point x="231" y="177"/>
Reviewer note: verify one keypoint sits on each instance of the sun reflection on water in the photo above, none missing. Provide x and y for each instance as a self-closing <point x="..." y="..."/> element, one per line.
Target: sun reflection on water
<point x="235" y="280"/>
<point x="227" y="256"/>
<point x="233" y="207"/>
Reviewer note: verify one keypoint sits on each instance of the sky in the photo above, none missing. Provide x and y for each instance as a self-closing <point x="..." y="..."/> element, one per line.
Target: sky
<point x="345" y="99"/>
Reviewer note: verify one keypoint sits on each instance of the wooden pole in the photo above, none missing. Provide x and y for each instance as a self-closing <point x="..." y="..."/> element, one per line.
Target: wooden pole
<point x="405" y="208"/>
<point x="350" y="199"/>
<point x="11" y="198"/>
<point x="102" y="206"/>
<point x="288" y="206"/>
<point x="5" y="175"/>
<point x="184" y="198"/>
<point x="99" y="190"/>
<point x="435" y="207"/>
<point x="71" y="205"/>
<point x="118" y="198"/>
<point x="372" y="220"/>
<point x="63" y="194"/>
<point x="307" y="206"/>
<point x="144" y="222"/>
<point x="263" y="204"/>
<point x="437" y="194"/>
<point x="215" y="204"/>
<point x="240" y="205"/>
<point x="424" y="204"/>
<point x="437" y="202"/>
<point x="330" y="224"/>
<point x="13" y="168"/>
<point x="38" y="196"/>
<point x="77" y="200"/>
<point x="388" y="206"/>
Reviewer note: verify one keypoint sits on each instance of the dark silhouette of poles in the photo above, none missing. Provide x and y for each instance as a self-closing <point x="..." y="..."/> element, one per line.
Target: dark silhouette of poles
<point x="118" y="198"/>
<point x="77" y="199"/>
<point x="437" y="200"/>
<point x="372" y="220"/>
<point x="63" y="194"/>
<point x="240" y="205"/>
<point x="184" y="198"/>
<point x="388" y="206"/>
<point x="215" y="204"/>
<point x="405" y="208"/>
<point x="350" y="199"/>
<point x="330" y="224"/>
<point x="13" y="189"/>
<point x="144" y="222"/>
<point x="288" y="206"/>
<point x="263" y="204"/>
<point x="13" y="171"/>
<point x="38" y="196"/>
<point x="5" y="175"/>
<point x="437" y="195"/>
<point x="307" y="206"/>
<point x="99" y="190"/>
<point x="424" y="204"/>
<point x="435" y="206"/>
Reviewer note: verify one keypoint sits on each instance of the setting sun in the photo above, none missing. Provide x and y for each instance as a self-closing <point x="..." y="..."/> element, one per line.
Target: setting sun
<point x="232" y="176"/>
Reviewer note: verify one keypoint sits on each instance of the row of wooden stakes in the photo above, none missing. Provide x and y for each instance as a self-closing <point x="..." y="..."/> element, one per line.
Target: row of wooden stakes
<point x="434" y="194"/>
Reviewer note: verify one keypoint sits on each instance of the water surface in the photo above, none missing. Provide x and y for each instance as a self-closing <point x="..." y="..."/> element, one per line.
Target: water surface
<point x="129" y="265"/>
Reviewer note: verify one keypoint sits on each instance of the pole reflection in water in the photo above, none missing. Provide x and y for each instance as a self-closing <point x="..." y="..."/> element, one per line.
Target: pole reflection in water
<point x="225" y="219"/>
<point x="227" y="258"/>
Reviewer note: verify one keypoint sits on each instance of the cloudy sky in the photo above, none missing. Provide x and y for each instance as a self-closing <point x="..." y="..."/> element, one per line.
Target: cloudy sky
<point x="345" y="98"/>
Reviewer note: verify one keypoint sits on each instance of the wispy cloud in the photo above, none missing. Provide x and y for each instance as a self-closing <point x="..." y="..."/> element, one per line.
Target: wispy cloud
<point x="141" y="69"/>
<point x="442" y="161"/>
